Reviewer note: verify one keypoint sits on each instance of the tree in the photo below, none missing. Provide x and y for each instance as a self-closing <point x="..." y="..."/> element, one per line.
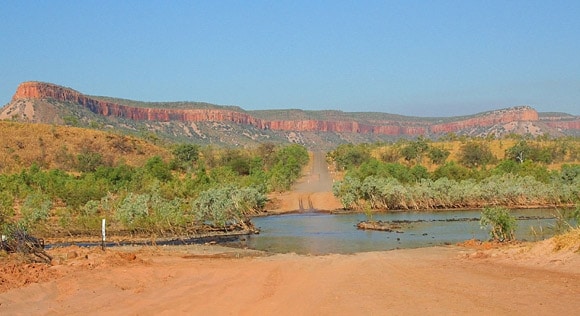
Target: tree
<point x="519" y="152"/>
<point x="523" y="151"/>
<point x="507" y="166"/>
<point x="288" y="166"/>
<point x="409" y="152"/>
<point x="415" y="149"/>
<point x="156" y="167"/>
<point x="89" y="161"/>
<point x="241" y="166"/>
<point x="474" y="154"/>
<point x="438" y="155"/>
<point x="266" y="152"/>
<point x="349" y="155"/>
<point x="451" y="171"/>
<point x="71" y="120"/>
<point x="209" y="156"/>
<point x="374" y="167"/>
<point x="36" y="209"/>
<point x="133" y="210"/>
<point x="186" y="153"/>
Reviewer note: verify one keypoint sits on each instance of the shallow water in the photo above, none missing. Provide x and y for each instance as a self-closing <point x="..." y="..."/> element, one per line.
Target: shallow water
<point x="320" y="233"/>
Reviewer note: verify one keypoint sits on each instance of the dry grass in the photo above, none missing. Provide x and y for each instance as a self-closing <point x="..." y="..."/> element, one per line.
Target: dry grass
<point x="568" y="241"/>
<point x="52" y="146"/>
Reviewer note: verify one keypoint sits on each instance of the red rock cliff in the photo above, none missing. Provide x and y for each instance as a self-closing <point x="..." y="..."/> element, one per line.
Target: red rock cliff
<point x="564" y="124"/>
<point x="38" y="90"/>
<point x="522" y="113"/>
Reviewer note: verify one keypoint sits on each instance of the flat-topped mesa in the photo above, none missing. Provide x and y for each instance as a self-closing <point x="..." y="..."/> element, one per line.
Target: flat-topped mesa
<point x="40" y="90"/>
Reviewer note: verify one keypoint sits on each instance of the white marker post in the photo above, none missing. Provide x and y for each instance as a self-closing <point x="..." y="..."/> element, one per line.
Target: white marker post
<point x="103" y="235"/>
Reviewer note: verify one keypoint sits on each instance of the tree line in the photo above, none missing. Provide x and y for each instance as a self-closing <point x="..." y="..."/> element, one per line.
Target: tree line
<point x="531" y="172"/>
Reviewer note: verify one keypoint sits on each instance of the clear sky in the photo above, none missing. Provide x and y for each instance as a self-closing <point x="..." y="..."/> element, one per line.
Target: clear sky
<point x="423" y="58"/>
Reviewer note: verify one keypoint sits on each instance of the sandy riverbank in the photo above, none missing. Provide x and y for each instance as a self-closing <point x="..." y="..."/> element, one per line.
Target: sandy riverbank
<point x="212" y="280"/>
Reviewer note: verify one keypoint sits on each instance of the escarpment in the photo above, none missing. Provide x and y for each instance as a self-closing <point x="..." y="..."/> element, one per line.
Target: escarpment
<point x="350" y="123"/>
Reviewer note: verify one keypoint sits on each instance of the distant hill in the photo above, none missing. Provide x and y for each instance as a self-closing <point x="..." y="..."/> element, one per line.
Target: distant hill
<point x="205" y="123"/>
<point x="53" y="146"/>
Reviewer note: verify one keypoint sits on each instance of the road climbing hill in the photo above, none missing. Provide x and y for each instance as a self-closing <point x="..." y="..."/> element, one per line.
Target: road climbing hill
<point x="313" y="192"/>
<point x="317" y="177"/>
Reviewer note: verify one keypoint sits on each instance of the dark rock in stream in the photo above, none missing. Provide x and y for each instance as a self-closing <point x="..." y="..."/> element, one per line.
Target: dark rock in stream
<point x="379" y="225"/>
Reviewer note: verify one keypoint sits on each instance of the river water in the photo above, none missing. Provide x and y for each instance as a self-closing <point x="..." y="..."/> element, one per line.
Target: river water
<point x="321" y="233"/>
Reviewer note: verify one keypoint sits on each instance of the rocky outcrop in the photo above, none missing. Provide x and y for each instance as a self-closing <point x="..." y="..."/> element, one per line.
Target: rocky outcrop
<point x="522" y="113"/>
<point x="38" y="90"/>
<point x="561" y="121"/>
<point x="564" y="124"/>
<point x="379" y="225"/>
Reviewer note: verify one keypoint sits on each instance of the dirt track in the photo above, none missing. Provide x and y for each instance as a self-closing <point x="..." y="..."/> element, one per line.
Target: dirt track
<point x="312" y="192"/>
<point x="207" y="280"/>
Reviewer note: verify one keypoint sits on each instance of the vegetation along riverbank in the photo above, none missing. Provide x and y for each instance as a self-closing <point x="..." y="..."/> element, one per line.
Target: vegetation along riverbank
<point x="69" y="179"/>
<point x="515" y="172"/>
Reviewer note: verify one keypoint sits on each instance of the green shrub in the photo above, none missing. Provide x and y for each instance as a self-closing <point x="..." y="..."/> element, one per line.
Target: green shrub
<point x="348" y="191"/>
<point x="414" y="150"/>
<point x="569" y="173"/>
<point x="348" y="155"/>
<point x="474" y="155"/>
<point x="451" y="170"/>
<point x="89" y="216"/>
<point x="35" y="210"/>
<point x="289" y="161"/>
<point x="398" y="171"/>
<point x="133" y="210"/>
<point x="185" y="156"/>
<point x="77" y="192"/>
<point x="227" y="205"/>
<point x="522" y="151"/>
<point x="6" y="206"/>
<point x="89" y="161"/>
<point x="438" y="155"/>
<point x="500" y="222"/>
<point x="156" y="167"/>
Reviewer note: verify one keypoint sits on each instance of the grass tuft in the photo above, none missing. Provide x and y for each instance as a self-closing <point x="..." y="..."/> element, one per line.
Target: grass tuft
<point x="568" y="241"/>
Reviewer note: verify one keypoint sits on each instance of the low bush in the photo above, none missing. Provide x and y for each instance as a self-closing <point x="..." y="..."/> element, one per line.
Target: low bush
<point x="228" y="205"/>
<point x="500" y="223"/>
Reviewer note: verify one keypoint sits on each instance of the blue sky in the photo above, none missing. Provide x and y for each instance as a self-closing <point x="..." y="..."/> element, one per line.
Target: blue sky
<point x="423" y="58"/>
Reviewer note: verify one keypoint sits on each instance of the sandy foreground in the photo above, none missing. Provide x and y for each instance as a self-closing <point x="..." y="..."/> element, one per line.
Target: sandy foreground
<point x="212" y="280"/>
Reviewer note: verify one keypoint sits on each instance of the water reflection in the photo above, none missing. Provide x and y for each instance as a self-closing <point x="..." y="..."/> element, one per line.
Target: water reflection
<point x="315" y="233"/>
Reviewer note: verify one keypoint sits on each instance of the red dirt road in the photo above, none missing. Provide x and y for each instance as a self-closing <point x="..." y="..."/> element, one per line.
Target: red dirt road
<point x="206" y="280"/>
<point x="312" y="192"/>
